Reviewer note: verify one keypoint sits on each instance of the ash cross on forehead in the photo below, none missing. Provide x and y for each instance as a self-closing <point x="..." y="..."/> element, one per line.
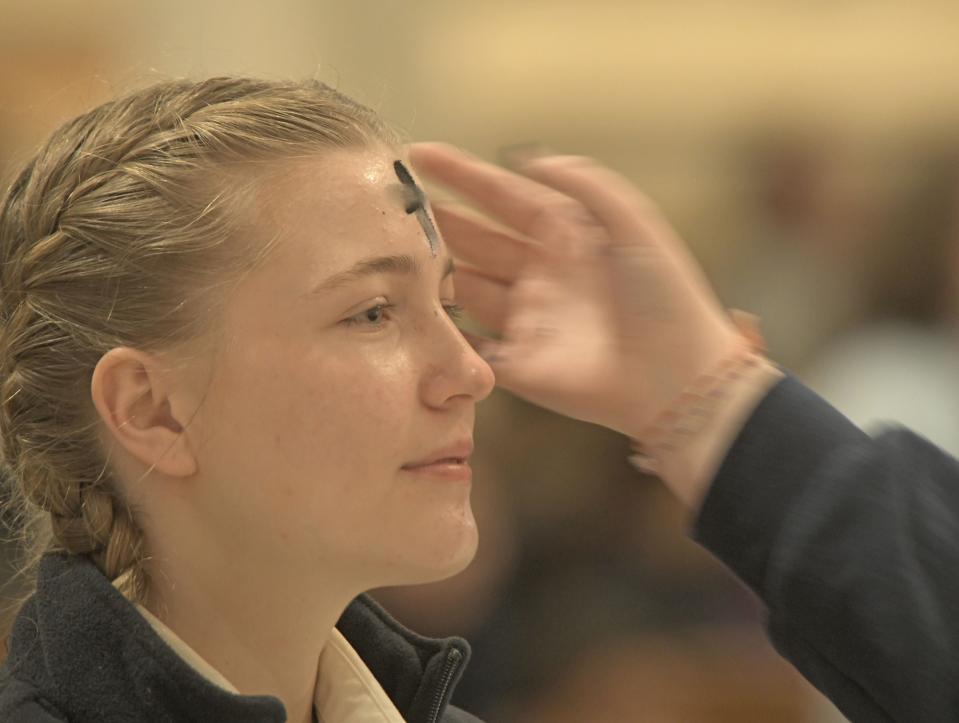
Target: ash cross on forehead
<point x="416" y="203"/>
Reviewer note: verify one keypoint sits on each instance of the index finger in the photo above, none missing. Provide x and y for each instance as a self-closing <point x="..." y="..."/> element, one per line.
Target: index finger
<point x="625" y="212"/>
<point x="520" y="202"/>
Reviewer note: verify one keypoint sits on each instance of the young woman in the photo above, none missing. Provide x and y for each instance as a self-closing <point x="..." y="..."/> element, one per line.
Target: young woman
<point x="231" y="388"/>
<point x="233" y="398"/>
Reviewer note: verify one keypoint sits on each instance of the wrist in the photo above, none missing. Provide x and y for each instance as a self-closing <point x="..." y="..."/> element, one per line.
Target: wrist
<point x="684" y="408"/>
<point x="682" y="441"/>
<point x="690" y="470"/>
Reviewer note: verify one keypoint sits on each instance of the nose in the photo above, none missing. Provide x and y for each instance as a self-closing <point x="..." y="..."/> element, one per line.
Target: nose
<point x="454" y="369"/>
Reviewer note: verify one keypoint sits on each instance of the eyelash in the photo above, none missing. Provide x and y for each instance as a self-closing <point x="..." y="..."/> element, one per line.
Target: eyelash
<point x="454" y="311"/>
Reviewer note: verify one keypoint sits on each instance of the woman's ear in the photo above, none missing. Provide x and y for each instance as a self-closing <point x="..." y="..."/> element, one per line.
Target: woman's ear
<point x="133" y="399"/>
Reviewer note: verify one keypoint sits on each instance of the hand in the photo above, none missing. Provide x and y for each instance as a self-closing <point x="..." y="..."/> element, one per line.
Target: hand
<point x="602" y="311"/>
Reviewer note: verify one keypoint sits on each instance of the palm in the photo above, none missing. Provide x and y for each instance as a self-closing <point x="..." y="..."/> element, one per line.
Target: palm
<point x="559" y="334"/>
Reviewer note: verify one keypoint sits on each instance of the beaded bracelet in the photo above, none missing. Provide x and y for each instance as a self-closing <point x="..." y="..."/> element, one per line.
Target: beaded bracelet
<point x="696" y="404"/>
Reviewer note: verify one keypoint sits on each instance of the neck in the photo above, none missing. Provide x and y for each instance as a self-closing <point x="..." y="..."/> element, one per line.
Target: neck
<point x="254" y="624"/>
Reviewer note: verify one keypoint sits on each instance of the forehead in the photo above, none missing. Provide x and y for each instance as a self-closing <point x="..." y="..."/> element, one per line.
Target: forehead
<point x="339" y="206"/>
<point x="335" y="180"/>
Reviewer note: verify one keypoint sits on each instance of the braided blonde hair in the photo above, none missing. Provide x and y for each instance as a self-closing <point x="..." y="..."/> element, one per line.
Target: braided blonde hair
<point x="122" y="231"/>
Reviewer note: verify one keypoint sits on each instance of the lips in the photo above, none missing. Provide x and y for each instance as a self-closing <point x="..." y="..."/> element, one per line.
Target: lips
<point x="456" y="453"/>
<point x="446" y="469"/>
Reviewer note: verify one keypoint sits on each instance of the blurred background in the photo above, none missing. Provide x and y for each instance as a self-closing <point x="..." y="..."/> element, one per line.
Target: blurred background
<point x="806" y="151"/>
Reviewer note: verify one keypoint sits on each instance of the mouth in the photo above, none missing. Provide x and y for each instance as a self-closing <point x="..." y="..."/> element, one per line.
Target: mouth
<point x="449" y="468"/>
<point x="457" y="453"/>
<point x="445" y="460"/>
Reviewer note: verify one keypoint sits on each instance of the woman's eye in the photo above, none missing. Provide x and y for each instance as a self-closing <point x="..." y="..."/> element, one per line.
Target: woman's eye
<point x="374" y="316"/>
<point x="371" y="317"/>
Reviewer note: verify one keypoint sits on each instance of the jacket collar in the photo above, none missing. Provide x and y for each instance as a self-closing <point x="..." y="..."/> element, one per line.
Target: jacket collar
<point x="89" y="650"/>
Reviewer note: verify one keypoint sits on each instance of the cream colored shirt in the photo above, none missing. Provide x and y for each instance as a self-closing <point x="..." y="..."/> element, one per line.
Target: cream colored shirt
<point x="346" y="691"/>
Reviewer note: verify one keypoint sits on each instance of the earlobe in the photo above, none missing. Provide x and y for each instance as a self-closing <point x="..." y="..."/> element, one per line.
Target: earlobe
<point x="134" y="405"/>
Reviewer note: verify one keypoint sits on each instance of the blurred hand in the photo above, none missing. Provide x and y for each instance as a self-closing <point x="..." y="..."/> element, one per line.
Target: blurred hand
<point x="603" y="313"/>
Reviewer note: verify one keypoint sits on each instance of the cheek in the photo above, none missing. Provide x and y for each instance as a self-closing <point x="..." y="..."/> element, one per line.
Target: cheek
<point x="324" y="427"/>
<point x="358" y="403"/>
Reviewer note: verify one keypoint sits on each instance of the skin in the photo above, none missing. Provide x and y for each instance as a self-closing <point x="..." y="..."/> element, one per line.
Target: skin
<point x="280" y="497"/>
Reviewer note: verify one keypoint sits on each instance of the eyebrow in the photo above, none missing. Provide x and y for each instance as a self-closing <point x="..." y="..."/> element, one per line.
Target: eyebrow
<point x="397" y="264"/>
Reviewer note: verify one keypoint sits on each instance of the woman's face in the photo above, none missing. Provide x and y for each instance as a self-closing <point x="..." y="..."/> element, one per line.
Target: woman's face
<point x="321" y="394"/>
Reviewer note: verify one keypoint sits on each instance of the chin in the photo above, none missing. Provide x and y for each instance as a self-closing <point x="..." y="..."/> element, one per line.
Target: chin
<point x="459" y="562"/>
<point x="440" y="559"/>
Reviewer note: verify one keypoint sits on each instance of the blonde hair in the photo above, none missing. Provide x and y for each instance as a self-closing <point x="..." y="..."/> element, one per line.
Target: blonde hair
<point x="121" y="231"/>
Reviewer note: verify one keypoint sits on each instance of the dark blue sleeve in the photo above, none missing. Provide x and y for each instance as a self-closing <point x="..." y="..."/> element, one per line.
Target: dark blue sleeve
<point x="852" y="542"/>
